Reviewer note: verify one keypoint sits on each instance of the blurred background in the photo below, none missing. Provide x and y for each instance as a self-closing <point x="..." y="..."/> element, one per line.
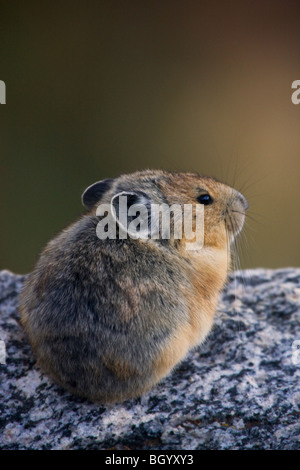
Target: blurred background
<point x="99" y="88"/>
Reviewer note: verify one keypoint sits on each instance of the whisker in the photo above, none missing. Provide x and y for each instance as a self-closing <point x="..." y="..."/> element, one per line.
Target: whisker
<point x="247" y="185"/>
<point x="251" y="217"/>
<point x="238" y="212"/>
<point x="247" y="215"/>
<point x="236" y="265"/>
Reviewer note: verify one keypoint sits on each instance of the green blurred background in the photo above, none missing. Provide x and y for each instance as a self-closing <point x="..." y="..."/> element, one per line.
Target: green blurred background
<point x="98" y="88"/>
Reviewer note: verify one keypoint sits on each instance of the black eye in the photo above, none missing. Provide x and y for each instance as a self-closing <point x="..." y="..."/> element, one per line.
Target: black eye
<point x="205" y="199"/>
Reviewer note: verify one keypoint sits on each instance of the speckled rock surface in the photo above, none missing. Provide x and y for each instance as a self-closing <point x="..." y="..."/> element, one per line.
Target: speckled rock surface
<point x="240" y="390"/>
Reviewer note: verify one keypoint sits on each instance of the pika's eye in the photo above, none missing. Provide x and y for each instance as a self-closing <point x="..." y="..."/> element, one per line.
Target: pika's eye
<point x="205" y="199"/>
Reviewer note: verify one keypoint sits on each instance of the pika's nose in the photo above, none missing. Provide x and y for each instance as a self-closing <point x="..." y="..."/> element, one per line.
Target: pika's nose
<point x="243" y="201"/>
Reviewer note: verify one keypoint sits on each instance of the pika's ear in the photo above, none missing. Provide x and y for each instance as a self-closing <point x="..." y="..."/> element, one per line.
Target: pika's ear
<point x="132" y="212"/>
<point x="94" y="193"/>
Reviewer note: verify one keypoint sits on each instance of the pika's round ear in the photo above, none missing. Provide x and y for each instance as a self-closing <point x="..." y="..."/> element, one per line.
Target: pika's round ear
<point x="125" y="207"/>
<point x="94" y="193"/>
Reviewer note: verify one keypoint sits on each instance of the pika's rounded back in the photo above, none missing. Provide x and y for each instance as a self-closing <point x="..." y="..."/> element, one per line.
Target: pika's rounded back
<point x="109" y="310"/>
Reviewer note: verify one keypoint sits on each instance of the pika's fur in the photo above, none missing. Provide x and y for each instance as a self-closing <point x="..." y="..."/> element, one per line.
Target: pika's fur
<point x="107" y="319"/>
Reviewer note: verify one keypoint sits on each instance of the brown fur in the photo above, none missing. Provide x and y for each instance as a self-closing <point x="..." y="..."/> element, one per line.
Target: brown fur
<point x="107" y="319"/>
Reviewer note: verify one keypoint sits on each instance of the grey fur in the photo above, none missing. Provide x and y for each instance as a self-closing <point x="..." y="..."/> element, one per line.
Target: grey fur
<point x="98" y="313"/>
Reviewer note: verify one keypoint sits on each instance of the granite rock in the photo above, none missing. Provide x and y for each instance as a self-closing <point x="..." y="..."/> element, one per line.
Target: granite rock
<point x="239" y="390"/>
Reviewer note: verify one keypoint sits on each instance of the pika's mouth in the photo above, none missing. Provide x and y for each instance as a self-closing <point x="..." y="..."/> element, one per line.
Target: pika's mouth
<point x="235" y="213"/>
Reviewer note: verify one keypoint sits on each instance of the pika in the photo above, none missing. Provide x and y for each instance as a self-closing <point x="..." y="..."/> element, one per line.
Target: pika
<point x="108" y="318"/>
